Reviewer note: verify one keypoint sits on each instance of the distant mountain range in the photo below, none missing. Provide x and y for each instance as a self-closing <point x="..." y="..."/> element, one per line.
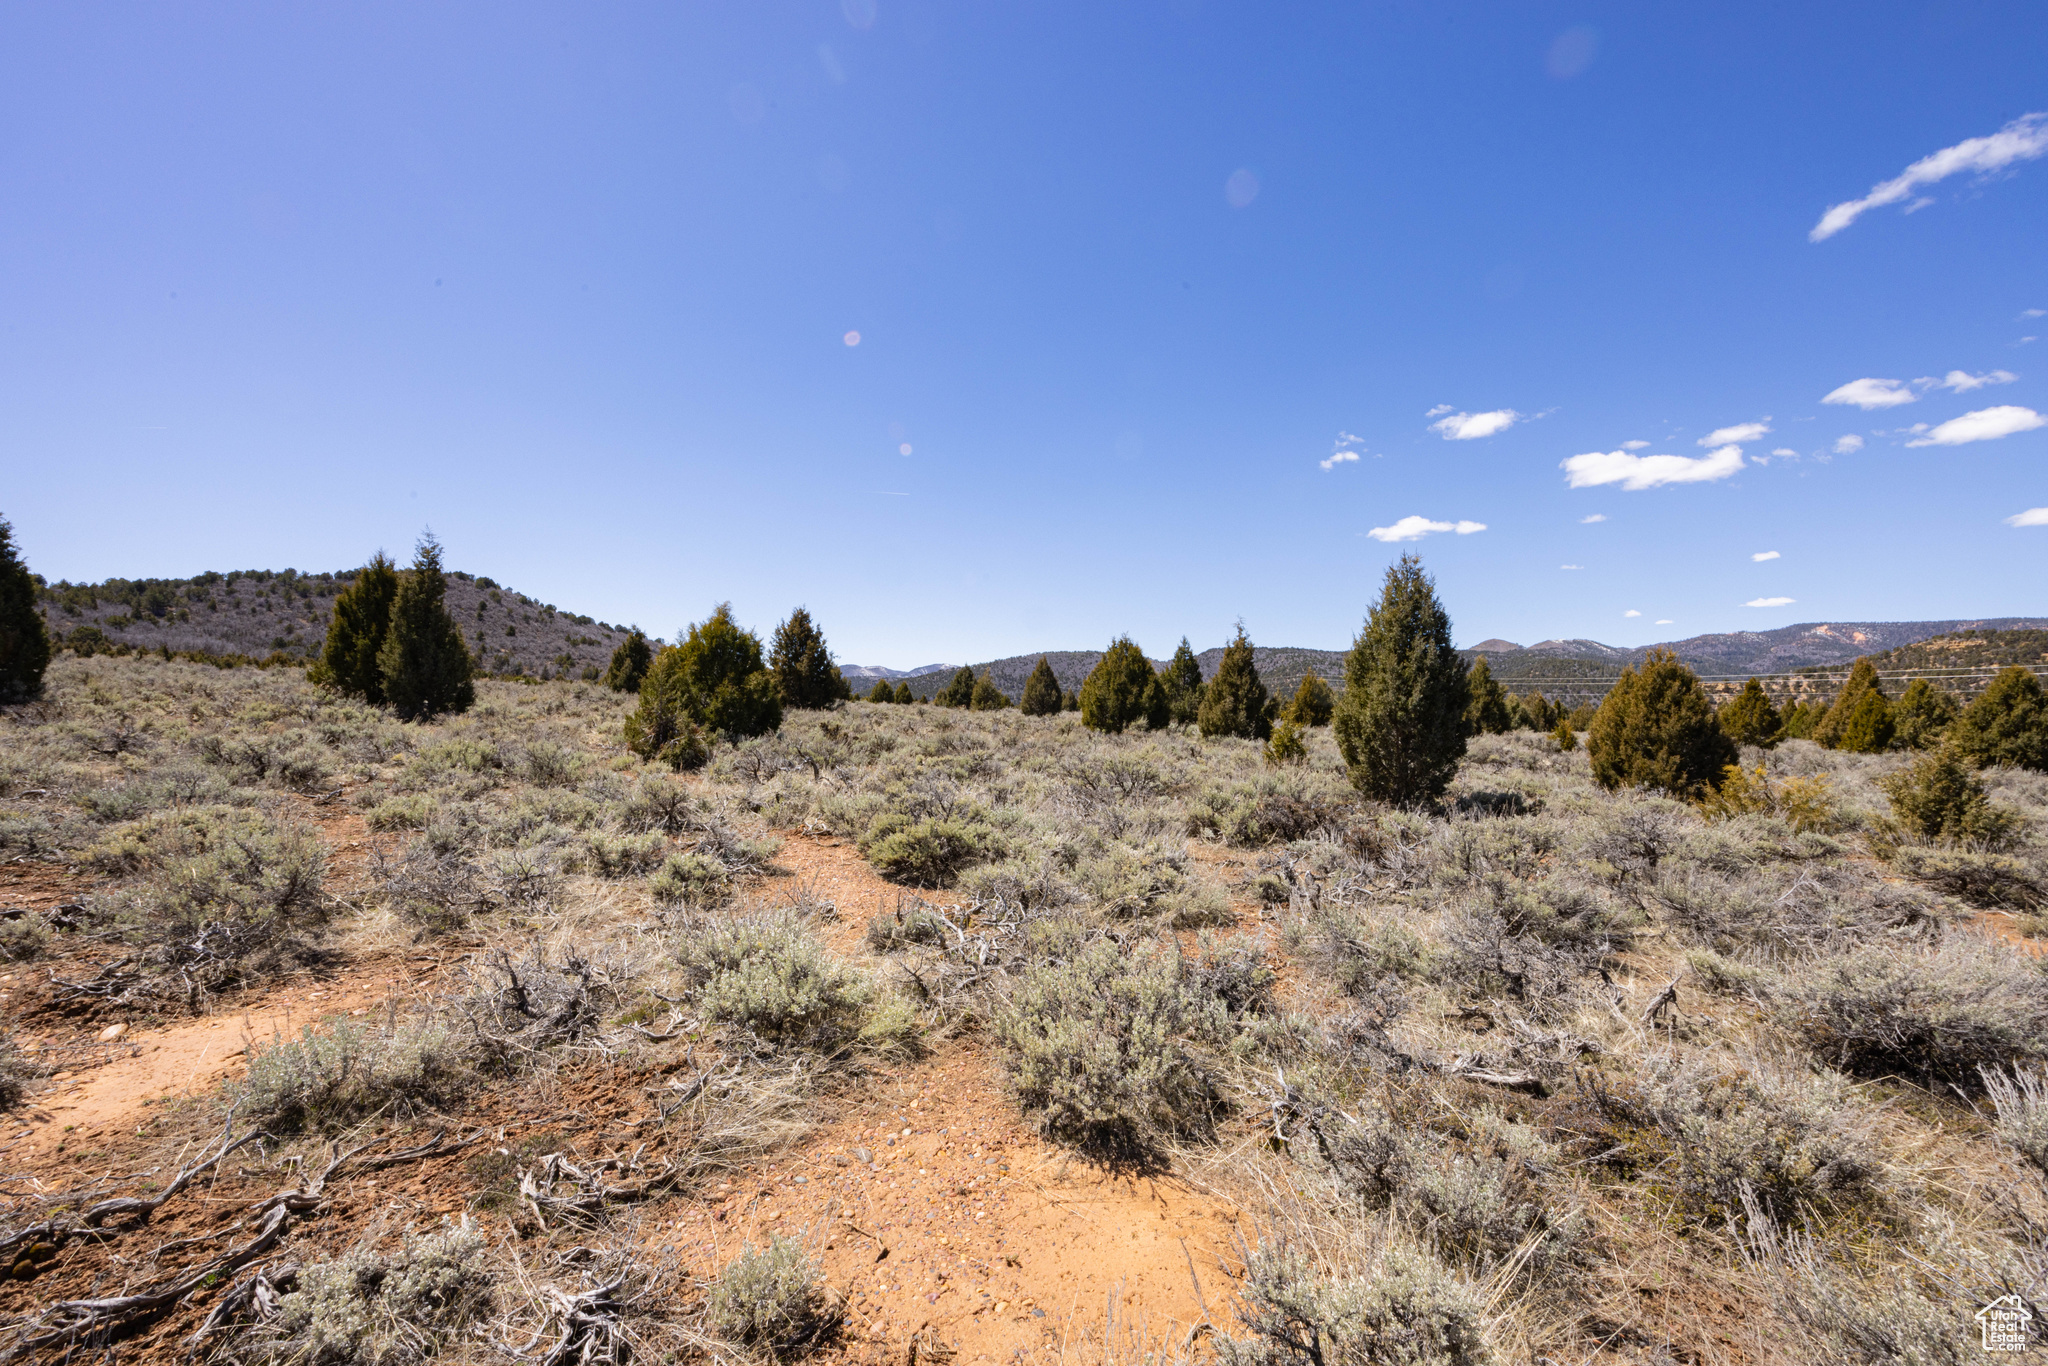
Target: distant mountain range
<point x="871" y="672"/>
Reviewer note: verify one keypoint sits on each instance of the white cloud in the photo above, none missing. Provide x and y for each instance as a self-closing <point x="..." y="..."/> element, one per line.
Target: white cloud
<point x="1986" y="424"/>
<point x="1571" y="566"/>
<point x="2034" y="313"/>
<point x="1469" y="426"/>
<point x="1339" y="458"/>
<point x="1848" y="445"/>
<point x="1738" y="434"/>
<point x="1963" y="382"/>
<point x="1769" y="602"/>
<point x="1631" y="612"/>
<point x="1635" y="445"/>
<point x="1439" y="410"/>
<point x="1592" y="517"/>
<point x="1872" y="393"/>
<point x="2025" y="138"/>
<point x="1787" y="452"/>
<point x="1635" y="472"/>
<point x="2031" y="517"/>
<point x="1415" y="528"/>
<point x="1763" y="555"/>
<point x="1664" y="621"/>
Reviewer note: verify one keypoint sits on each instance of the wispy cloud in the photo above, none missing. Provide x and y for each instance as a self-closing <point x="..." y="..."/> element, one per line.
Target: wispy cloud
<point x="1848" y="445"/>
<point x="1635" y="445"/>
<point x="2031" y="517"/>
<point x="1342" y="451"/>
<point x="1786" y="452"/>
<point x="1631" y="612"/>
<point x="1664" y="621"/>
<point x="1571" y="566"/>
<point x="1962" y="381"/>
<point x="2025" y="138"/>
<point x="1872" y="393"/>
<point x="1338" y="459"/>
<point x="1470" y="426"/>
<point x="1986" y="424"/>
<point x="1740" y="433"/>
<point x="1592" y="517"/>
<point x="2034" y="313"/>
<point x="1415" y="528"/>
<point x="1634" y="472"/>
<point x="1769" y="602"/>
<point x="1763" y="555"/>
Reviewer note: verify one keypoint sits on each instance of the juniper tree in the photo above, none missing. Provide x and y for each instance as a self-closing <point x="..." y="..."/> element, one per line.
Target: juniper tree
<point x="355" y="634"/>
<point x="986" y="696"/>
<point x="1940" y="797"/>
<point x="1312" y="703"/>
<point x="803" y="667"/>
<point x="1862" y="679"/>
<point x="1799" y="719"/>
<point x="904" y="696"/>
<point x="1401" y="721"/>
<point x="628" y="668"/>
<point x="1121" y="690"/>
<point x="1656" y="728"/>
<point x="959" y="692"/>
<point x="1041" y="691"/>
<point x="881" y="692"/>
<point x="1234" y="701"/>
<point x="425" y="666"/>
<point x="1070" y="700"/>
<point x="2007" y="723"/>
<point x="1486" y="710"/>
<point x="1750" y="718"/>
<point x="712" y="681"/>
<point x="1182" y="681"/>
<point x="1923" y="715"/>
<point x="1869" y="727"/>
<point x="24" y="640"/>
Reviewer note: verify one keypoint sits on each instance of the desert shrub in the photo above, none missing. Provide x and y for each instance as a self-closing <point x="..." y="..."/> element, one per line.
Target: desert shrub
<point x="2020" y="1100"/>
<point x="1022" y="883"/>
<point x="1234" y="699"/>
<point x="516" y="1010"/>
<point x="24" y="935"/>
<point x="1286" y="746"/>
<point x="901" y="929"/>
<point x="770" y="1299"/>
<point x="925" y="853"/>
<point x="1235" y="972"/>
<point x="1486" y="709"/>
<point x="24" y="641"/>
<point x="1481" y="1202"/>
<point x="1041" y="691"/>
<point x="2007" y="723"/>
<point x="407" y="812"/>
<point x="628" y="667"/>
<point x="1125" y="882"/>
<point x="1923" y="715"/>
<point x="692" y="878"/>
<point x="803" y="667"/>
<point x="1360" y="951"/>
<point x="767" y="975"/>
<point x="1750" y="719"/>
<point x="243" y="906"/>
<point x="1803" y="803"/>
<point x="615" y="856"/>
<point x="157" y="840"/>
<point x="459" y="754"/>
<point x="547" y="764"/>
<point x="1181" y="680"/>
<point x="1401" y="721"/>
<point x="1993" y="880"/>
<point x="1656" y="729"/>
<point x="355" y="634"/>
<point x="1940" y="798"/>
<point x="1938" y="1013"/>
<point x="1104" y="1046"/>
<point x="424" y="664"/>
<point x="1312" y="704"/>
<point x="394" y="1308"/>
<point x="1410" y="1311"/>
<point x="325" y="1081"/>
<point x="1121" y="690"/>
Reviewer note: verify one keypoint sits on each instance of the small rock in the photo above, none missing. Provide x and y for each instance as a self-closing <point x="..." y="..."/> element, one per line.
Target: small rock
<point x="800" y="1180"/>
<point x="112" y="1032"/>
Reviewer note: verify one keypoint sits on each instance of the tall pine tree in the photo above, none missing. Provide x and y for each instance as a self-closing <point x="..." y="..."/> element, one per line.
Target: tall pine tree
<point x="24" y="641"/>
<point x="355" y="635"/>
<point x="424" y="664"/>
<point x="1041" y="691"/>
<point x="803" y="667"/>
<point x="1401" y="721"/>
<point x="1234" y="701"/>
<point x="630" y="660"/>
<point x="1182" y="680"/>
<point x="904" y="696"/>
<point x="986" y="696"/>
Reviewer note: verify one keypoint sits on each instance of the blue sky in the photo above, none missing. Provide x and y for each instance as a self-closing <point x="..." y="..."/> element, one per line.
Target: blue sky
<point x="575" y="285"/>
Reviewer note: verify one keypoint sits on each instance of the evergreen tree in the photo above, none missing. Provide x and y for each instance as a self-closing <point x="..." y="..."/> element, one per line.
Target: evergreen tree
<point x="1286" y="746"/>
<point x="2007" y="723"/>
<point x="355" y="634"/>
<point x="986" y="696"/>
<point x="1862" y="679"/>
<point x="1869" y="728"/>
<point x="1533" y="711"/>
<point x="881" y="692"/>
<point x="1121" y="690"/>
<point x="1923" y="714"/>
<point x="1656" y="728"/>
<point x="1800" y="718"/>
<point x="1070" y="700"/>
<point x="1581" y="716"/>
<point x="24" y="640"/>
<point x="1234" y="701"/>
<point x="1041" y="691"/>
<point x="1401" y="721"/>
<point x="1312" y="704"/>
<point x="1940" y="797"/>
<point x="1750" y="718"/>
<point x="1486" y="711"/>
<point x="1182" y="680"/>
<point x="713" y="682"/>
<point x="904" y="696"/>
<point x="803" y="667"/>
<point x="959" y="692"/>
<point x="628" y="668"/>
<point x="426" y="667"/>
<point x="1564" y="737"/>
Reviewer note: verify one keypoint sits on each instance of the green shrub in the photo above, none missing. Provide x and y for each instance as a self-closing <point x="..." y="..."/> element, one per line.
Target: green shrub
<point x="1234" y="700"/>
<point x="1486" y="710"/>
<point x="691" y="879"/>
<point x="1939" y="798"/>
<point x="355" y="634"/>
<point x="411" y="811"/>
<point x="1862" y="680"/>
<point x="1105" y="1047"/>
<point x="2007" y="724"/>
<point x="424" y="664"/>
<point x="1122" y="690"/>
<point x="1656" y="729"/>
<point x="714" y="683"/>
<point x="398" y="1308"/>
<point x="24" y="641"/>
<point x="628" y="668"/>
<point x="617" y="856"/>
<point x="245" y="905"/>
<point x="1564" y="737"/>
<point x="770" y="1300"/>
<point x="928" y="853"/>
<point x="333" y="1080"/>
<point x="1981" y="879"/>
<point x="1182" y="681"/>
<point x="1923" y="715"/>
<point x="1750" y="719"/>
<point x="1401" y="721"/>
<point x="1312" y="704"/>
<point x="1409" y="1312"/>
<point x="1286" y="746"/>
<point x="803" y="667"/>
<point x="1041" y="691"/>
<point x="765" y="974"/>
